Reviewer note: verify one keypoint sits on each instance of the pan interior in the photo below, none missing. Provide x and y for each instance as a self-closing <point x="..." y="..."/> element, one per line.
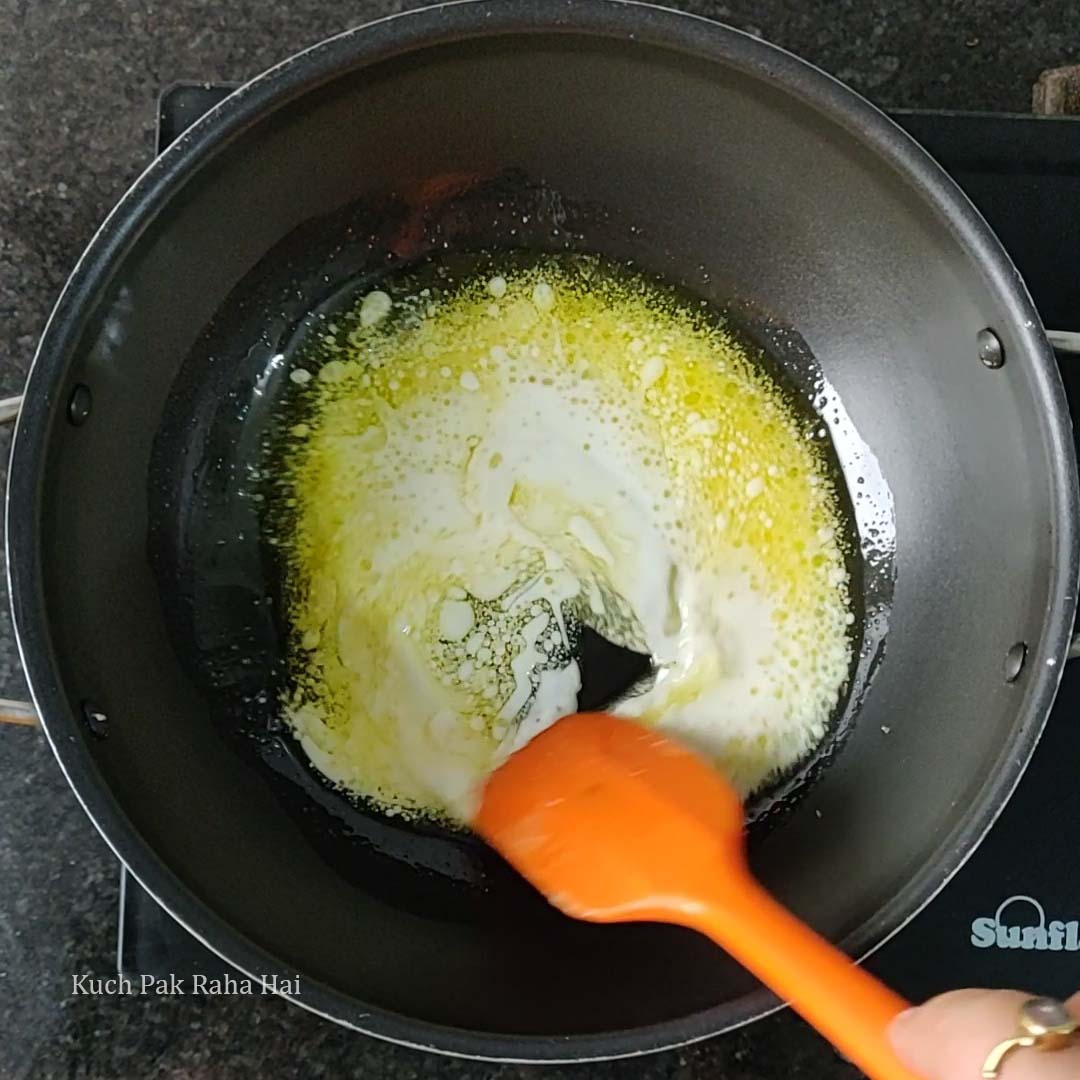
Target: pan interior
<point x="221" y="567"/>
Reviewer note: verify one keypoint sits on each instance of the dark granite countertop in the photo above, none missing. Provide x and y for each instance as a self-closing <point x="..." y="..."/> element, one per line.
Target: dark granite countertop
<point x="78" y="81"/>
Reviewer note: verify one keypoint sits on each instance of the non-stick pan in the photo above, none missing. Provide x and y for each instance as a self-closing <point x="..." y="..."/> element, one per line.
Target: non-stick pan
<point x="146" y="600"/>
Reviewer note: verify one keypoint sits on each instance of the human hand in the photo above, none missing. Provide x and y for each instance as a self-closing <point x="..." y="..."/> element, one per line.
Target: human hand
<point x="950" y="1037"/>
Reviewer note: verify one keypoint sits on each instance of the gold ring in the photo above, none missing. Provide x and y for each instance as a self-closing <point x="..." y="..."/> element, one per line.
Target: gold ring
<point x="1043" y="1024"/>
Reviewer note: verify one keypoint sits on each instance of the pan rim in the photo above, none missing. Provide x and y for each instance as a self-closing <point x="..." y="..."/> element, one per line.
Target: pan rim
<point x="376" y="42"/>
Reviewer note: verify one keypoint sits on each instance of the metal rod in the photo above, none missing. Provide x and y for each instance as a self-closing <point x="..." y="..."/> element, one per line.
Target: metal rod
<point x="18" y="712"/>
<point x="1066" y="341"/>
<point x="9" y="409"/>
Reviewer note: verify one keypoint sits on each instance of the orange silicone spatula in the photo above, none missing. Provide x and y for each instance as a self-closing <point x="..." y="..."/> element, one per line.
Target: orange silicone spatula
<point x="614" y="822"/>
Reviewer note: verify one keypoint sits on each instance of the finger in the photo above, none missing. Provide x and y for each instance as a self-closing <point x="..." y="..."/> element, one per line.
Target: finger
<point x="950" y="1037"/>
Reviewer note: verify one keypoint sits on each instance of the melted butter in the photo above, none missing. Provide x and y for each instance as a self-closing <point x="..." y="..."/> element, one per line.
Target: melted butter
<point x="482" y="473"/>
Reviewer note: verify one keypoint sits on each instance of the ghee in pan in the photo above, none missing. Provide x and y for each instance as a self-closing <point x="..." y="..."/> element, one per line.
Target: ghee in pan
<point x="485" y="467"/>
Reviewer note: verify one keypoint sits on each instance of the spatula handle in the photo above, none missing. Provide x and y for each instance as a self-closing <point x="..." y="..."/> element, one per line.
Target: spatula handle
<point x="844" y="1002"/>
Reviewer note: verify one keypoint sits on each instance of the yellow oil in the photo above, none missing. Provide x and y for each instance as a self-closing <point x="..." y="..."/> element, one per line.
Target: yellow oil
<point x="740" y="492"/>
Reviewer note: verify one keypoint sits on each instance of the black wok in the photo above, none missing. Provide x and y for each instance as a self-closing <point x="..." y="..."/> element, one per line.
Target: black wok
<point x="145" y="601"/>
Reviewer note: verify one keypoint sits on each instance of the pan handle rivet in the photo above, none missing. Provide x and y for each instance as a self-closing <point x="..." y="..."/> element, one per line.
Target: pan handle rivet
<point x="1014" y="661"/>
<point x="991" y="351"/>
<point x="96" y="720"/>
<point x="79" y="405"/>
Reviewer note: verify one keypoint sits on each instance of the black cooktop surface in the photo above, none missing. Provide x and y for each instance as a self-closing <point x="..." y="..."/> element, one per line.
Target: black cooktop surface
<point x="1011" y="917"/>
